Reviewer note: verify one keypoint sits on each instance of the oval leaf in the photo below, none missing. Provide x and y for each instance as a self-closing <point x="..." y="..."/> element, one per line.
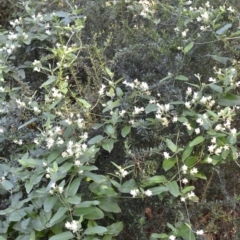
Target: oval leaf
<point x="188" y="47"/>
<point x="95" y="230"/>
<point x="196" y="141"/>
<point x="125" y="131"/>
<point x="168" y="163"/>
<point x="186" y="153"/>
<point x="181" y="77"/>
<point x="171" y="145"/>
<point x="224" y="29"/>
<point x="95" y="139"/>
<point x="173" y="188"/>
<point x="63" y="236"/>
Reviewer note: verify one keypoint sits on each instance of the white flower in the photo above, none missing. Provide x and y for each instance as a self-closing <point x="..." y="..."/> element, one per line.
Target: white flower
<point x="233" y="131"/>
<point x="185" y="181"/>
<point x="166" y="155"/>
<point x="199" y="232"/>
<point x="230" y="9"/>
<point x="123" y="172"/>
<point x="53" y="185"/>
<point x="209" y="160"/>
<point x="144" y="86"/>
<point x="60" y="189"/>
<point x="211" y="148"/>
<point x="212" y="80"/>
<point x="191" y="194"/>
<point x="73" y="226"/>
<point x="205" y="16"/>
<point x="50" y="142"/>
<point x="197" y="130"/>
<point x="218" y="151"/>
<point x="134" y="192"/>
<point x="193" y="171"/>
<point x="200" y="121"/>
<point x="187" y="104"/>
<point x="184" y="169"/>
<point x="148" y="193"/>
<point x="175" y="119"/>
<point x="189" y="91"/>
<point x="183" y="199"/>
<point x="138" y="110"/>
<point x="172" y="237"/>
<point x="77" y="163"/>
<point x="184" y="33"/>
<point x="48" y="32"/>
<point x="199" y="19"/>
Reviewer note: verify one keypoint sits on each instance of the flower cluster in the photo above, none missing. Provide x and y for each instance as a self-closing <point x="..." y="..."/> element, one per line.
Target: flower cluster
<point x="136" y="84"/>
<point x="135" y="192"/>
<point x="74" y="226"/>
<point x="56" y="189"/>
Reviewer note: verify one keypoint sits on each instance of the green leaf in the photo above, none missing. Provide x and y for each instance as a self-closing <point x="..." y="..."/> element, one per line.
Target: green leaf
<point x="108" y="144"/>
<point x="31" y="237"/>
<point x="223" y="29"/>
<point x="188" y="189"/>
<point x="83" y="103"/>
<point x="171" y="145"/>
<point x="95" y="230"/>
<point x="166" y="78"/>
<point x="95" y="177"/>
<point x="95" y="139"/>
<point x="186" y="153"/>
<point x="17" y="215"/>
<point x="220" y="59"/>
<point x="159" y="235"/>
<point x="153" y="181"/>
<point x="7" y="185"/>
<point x="125" y="131"/>
<point x="49" y="203"/>
<point x="88" y="203"/>
<point x="28" y="186"/>
<point x="30" y="162"/>
<point x="128" y="186"/>
<point x="196" y="141"/>
<point x="168" y="163"/>
<point x="115" y="228"/>
<point x="111" y="105"/>
<point x="50" y="80"/>
<point x="173" y="188"/>
<point x="191" y="161"/>
<point x="91" y="213"/>
<point x="200" y="175"/>
<point x="119" y="92"/>
<point x="27" y="123"/>
<point x="151" y="108"/>
<point x="228" y="100"/>
<point x="186" y="233"/>
<point x="53" y="156"/>
<point x="74" y="186"/>
<point x="216" y="88"/>
<point x="158" y="190"/>
<point x="63" y="236"/>
<point x="74" y="200"/>
<point x="181" y="77"/>
<point x="109" y="204"/>
<point x="58" y="216"/>
<point x="2" y="238"/>
<point x="108" y="71"/>
<point x="188" y="47"/>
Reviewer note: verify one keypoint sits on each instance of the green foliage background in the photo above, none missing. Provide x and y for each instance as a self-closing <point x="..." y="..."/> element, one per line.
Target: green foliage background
<point x="119" y="120"/>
